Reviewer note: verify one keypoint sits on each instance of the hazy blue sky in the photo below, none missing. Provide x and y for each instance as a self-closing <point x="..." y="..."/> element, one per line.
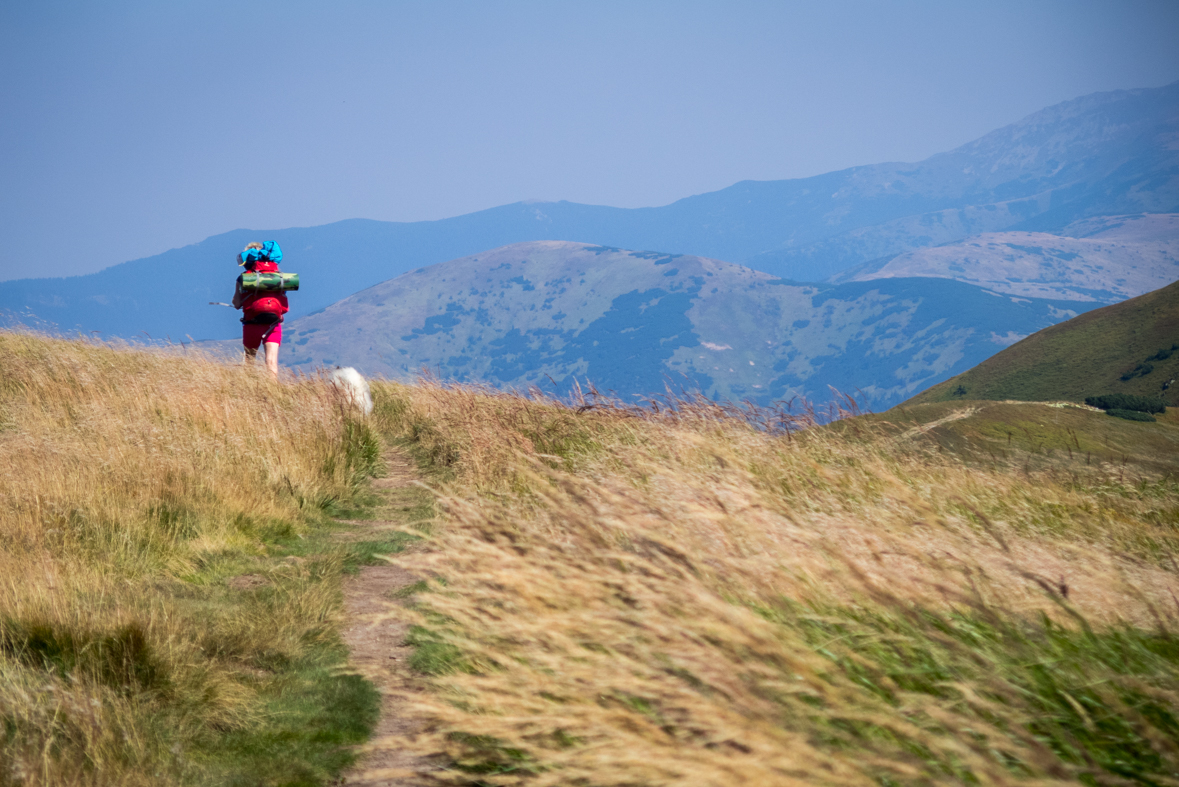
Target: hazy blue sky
<point x="127" y="128"/>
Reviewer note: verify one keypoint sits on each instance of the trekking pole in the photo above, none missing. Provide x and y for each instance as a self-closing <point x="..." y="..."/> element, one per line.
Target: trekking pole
<point x="219" y="303"/>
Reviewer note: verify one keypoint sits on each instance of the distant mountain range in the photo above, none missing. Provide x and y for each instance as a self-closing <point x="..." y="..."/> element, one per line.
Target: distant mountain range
<point x="1104" y="259"/>
<point x="546" y="313"/>
<point x="1100" y="155"/>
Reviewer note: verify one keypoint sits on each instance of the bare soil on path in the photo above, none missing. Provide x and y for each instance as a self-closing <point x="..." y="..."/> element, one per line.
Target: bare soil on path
<point x="375" y="634"/>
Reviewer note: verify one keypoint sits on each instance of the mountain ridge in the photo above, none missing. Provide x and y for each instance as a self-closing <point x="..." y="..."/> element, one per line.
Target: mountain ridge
<point x="545" y="313"/>
<point x="1124" y="160"/>
<point x="1106" y="260"/>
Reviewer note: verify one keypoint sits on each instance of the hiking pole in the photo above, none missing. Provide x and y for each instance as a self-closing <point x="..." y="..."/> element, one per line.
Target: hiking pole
<point x="219" y="303"/>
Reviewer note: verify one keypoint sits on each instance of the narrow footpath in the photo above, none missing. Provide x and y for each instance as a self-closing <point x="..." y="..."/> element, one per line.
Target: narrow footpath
<point x="375" y="633"/>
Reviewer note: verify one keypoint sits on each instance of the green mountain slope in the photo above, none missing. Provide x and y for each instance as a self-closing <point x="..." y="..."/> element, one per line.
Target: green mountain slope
<point x="549" y="312"/>
<point x="1088" y="355"/>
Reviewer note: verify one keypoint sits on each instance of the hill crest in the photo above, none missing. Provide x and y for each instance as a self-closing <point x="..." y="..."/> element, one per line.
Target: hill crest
<point x="1122" y="348"/>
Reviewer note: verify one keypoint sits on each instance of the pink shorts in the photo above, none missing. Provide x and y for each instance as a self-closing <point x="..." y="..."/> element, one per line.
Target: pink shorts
<point x="252" y="335"/>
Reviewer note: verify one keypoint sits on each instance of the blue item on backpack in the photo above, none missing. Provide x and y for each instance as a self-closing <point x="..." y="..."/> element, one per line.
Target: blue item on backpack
<point x="269" y="251"/>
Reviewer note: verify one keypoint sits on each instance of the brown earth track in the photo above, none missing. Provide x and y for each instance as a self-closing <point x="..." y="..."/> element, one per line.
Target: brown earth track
<point x="375" y="635"/>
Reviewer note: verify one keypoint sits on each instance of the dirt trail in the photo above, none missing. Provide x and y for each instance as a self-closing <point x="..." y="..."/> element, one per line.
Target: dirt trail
<point x="957" y="415"/>
<point x="375" y="635"/>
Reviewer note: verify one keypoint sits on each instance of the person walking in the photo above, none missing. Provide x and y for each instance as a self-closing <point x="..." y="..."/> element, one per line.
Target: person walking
<point x="262" y="310"/>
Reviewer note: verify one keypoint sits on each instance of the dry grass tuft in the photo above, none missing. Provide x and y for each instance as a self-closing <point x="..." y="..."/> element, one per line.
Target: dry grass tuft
<point x="684" y="596"/>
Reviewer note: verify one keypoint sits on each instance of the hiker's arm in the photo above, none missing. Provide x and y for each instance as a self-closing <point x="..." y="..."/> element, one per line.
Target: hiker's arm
<point x="237" y="294"/>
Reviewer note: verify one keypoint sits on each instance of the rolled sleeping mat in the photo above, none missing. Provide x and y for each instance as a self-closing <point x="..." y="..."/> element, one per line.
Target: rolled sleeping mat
<point x="269" y="282"/>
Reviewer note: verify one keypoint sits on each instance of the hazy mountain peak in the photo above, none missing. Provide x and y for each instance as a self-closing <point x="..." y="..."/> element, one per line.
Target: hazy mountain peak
<point x="1104" y="259"/>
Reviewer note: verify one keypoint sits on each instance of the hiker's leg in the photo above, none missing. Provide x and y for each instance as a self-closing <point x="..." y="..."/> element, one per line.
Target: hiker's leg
<point x="272" y="357"/>
<point x="252" y="340"/>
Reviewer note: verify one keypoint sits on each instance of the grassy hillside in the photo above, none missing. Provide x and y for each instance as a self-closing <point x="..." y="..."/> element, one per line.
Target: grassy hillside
<point x="629" y="597"/>
<point x="170" y="595"/>
<point x="1088" y="355"/>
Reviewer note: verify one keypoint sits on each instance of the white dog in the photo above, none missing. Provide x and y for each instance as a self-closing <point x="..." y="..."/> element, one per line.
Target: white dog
<point x="354" y="388"/>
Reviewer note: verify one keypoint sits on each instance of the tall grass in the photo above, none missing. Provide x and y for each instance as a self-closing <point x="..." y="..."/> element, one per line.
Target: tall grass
<point x="686" y="596"/>
<point x="134" y="486"/>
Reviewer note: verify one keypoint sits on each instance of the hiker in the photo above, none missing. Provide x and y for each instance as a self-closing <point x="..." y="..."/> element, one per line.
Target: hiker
<point x="262" y="310"/>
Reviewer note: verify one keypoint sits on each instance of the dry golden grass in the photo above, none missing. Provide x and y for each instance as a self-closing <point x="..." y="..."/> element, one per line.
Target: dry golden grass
<point x="131" y="482"/>
<point x="618" y="596"/>
<point x="681" y="598"/>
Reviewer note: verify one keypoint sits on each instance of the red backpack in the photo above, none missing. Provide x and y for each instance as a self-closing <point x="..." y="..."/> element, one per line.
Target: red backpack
<point x="271" y="304"/>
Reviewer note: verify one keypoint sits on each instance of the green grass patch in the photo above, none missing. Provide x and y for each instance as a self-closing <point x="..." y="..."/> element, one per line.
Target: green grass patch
<point x="486" y="756"/>
<point x="314" y="714"/>
<point x="309" y="710"/>
<point x="433" y="655"/>
<point x="368" y="553"/>
<point x="1100" y="701"/>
